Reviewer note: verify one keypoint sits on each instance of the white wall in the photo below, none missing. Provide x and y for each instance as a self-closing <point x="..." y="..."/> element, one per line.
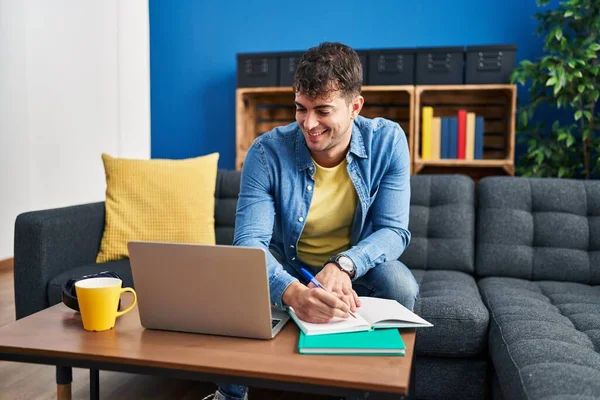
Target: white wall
<point x="74" y="82"/>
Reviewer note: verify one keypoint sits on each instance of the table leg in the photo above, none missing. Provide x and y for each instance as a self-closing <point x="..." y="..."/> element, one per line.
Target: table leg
<point x="412" y="383"/>
<point x="412" y="386"/>
<point x="94" y="384"/>
<point x="64" y="377"/>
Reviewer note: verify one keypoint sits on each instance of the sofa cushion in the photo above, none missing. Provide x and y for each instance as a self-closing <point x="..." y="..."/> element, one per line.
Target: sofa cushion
<point x="539" y="229"/>
<point x="158" y="201"/>
<point x="442" y="223"/>
<point x="450" y="300"/>
<point x="121" y="267"/>
<point x="544" y="337"/>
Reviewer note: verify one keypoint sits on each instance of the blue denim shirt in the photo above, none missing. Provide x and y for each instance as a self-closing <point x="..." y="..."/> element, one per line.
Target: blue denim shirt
<point x="276" y="192"/>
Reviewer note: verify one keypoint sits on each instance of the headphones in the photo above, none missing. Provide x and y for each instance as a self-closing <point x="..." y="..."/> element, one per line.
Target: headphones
<point x="69" y="294"/>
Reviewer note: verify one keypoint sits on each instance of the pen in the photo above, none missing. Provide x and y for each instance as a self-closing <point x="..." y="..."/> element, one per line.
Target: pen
<point x="315" y="282"/>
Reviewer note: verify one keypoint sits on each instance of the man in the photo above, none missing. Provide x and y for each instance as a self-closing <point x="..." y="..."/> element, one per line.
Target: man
<point x="329" y="193"/>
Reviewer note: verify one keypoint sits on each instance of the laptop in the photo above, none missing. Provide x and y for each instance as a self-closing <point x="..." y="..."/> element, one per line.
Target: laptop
<point x="210" y="289"/>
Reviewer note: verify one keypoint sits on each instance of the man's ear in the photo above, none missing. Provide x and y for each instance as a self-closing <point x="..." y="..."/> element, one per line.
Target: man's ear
<point x="356" y="106"/>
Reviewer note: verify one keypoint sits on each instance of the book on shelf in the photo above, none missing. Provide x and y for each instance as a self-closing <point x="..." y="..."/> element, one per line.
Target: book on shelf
<point x="435" y="138"/>
<point x="479" y="127"/>
<point x="462" y="134"/>
<point x="453" y="145"/>
<point x="382" y="342"/>
<point x="374" y="313"/>
<point x="470" y="136"/>
<point x="427" y="116"/>
<point x="444" y="138"/>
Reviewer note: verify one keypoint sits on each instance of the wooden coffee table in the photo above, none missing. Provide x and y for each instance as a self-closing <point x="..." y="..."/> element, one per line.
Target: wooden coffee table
<point x="55" y="336"/>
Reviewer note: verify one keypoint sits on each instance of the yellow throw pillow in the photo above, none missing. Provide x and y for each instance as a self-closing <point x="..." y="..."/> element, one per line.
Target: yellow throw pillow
<point x="159" y="201"/>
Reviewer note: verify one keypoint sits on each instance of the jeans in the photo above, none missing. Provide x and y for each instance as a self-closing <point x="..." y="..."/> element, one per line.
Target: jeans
<point x="389" y="280"/>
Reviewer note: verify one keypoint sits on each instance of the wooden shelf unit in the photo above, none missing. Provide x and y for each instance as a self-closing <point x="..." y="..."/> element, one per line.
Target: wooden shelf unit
<point x="496" y="103"/>
<point x="258" y="110"/>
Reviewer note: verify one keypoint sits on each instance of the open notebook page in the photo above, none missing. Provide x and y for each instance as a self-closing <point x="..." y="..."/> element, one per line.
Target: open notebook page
<point x="336" y="325"/>
<point x="388" y="313"/>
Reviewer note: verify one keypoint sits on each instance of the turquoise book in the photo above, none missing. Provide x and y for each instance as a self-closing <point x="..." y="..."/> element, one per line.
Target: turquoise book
<point x="382" y="342"/>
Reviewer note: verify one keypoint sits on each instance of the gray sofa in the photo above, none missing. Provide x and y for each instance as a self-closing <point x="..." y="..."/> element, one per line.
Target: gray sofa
<point x="508" y="272"/>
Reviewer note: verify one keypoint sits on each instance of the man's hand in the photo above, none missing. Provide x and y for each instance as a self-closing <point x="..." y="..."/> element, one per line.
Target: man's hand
<point x="314" y="304"/>
<point x="337" y="281"/>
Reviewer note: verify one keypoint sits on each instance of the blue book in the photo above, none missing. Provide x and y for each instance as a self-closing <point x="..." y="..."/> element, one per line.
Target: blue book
<point x="444" y="138"/>
<point x="479" y="126"/>
<point x="382" y="342"/>
<point x="453" y="139"/>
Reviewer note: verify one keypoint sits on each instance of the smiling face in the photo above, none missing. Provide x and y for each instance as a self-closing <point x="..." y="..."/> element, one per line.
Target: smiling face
<point x="326" y="123"/>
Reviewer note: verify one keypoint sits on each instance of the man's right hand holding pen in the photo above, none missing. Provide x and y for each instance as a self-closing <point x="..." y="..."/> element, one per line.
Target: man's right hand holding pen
<point x="318" y="304"/>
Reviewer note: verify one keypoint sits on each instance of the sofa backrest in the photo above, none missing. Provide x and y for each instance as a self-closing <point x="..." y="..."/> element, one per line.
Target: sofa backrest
<point x="442" y="223"/>
<point x="227" y="191"/>
<point x="539" y="229"/>
<point x="442" y="219"/>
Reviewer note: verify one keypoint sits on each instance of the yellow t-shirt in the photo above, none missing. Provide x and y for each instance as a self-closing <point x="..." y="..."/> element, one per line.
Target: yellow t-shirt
<point x="329" y="222"/>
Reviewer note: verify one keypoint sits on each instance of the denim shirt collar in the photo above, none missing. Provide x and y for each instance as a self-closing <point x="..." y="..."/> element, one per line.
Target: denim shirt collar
<point x="304" y="159"/>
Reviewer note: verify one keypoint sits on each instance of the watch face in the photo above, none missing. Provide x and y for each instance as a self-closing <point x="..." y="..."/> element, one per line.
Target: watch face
<point x="346" y="263"/>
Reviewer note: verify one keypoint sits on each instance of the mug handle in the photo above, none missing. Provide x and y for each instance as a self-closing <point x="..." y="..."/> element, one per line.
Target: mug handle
<point x="125" y="311"/>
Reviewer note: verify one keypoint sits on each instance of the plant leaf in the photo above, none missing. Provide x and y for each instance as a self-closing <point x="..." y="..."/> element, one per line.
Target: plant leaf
<point x="562" y="171"/>
<point x="558" y="33"/>
<point x="557" y="89"/>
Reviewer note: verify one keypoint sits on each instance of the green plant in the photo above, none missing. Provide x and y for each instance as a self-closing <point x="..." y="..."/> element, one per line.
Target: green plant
<point x="567" y="80"/>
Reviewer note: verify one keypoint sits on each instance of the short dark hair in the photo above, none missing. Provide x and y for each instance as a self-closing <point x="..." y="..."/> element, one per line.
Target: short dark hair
<point x="329" y="67"/>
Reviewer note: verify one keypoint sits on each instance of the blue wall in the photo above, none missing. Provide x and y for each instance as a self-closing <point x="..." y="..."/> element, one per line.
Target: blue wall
<point x="193" y="46"/>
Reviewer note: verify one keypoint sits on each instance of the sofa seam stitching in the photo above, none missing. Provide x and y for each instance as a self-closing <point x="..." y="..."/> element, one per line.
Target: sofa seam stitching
<point x="493" y="314"/>
<point x="533" y="238"/>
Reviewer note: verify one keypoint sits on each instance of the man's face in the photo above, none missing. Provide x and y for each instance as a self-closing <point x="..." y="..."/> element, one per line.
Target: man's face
<point x="326" y="122"/>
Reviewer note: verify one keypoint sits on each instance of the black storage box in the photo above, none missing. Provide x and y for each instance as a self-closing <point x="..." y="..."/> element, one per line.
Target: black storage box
<point x="257" y="70"/>
<point x="391" y="67"/>
<point x="288" y="62"/>
<point x="440" y="66"/>
<point x="490" y="64"/>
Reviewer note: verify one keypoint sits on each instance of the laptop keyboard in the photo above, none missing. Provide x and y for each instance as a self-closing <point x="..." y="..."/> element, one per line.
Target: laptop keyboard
<point x="274" y="322"/>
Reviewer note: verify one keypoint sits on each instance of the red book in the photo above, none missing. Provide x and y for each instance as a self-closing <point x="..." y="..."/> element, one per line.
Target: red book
<point x="462" y="134"/>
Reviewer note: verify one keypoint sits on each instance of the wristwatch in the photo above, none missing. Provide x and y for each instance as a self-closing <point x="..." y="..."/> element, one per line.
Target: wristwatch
<point x="344" y="263"/>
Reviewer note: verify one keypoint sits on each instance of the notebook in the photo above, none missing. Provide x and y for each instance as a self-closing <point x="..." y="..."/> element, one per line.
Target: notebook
<point x="372" y="314"/>
<point x="383" y="342"/>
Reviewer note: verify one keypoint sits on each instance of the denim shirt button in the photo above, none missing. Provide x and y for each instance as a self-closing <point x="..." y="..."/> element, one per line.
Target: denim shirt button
<point x="309" y="188"/>
<point x="293" y="258"/>
<point x="300" y="219"/>
<point x="291" y="246"/>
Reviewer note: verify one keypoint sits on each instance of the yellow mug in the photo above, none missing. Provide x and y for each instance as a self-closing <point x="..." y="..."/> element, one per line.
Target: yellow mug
<point x="98" y="300"/>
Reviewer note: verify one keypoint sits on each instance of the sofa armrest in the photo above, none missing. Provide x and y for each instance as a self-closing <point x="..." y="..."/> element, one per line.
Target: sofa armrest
<point x="49" y="242"/>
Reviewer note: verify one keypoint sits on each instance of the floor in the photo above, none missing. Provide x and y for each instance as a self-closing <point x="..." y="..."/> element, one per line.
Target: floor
<point x="37" y="382"/>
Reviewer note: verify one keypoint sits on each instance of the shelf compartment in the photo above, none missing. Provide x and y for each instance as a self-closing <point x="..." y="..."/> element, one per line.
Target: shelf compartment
<point x="496" y="103"/>
<point x="258" y="110"/>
